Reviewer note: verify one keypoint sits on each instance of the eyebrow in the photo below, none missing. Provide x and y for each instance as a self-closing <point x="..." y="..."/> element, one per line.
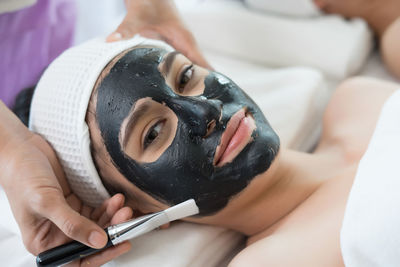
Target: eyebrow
<point x="169" y="59"/>
<point x="134" y="118"/>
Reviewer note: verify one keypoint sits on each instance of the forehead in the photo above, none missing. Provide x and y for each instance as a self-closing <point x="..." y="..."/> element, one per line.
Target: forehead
<point x="126" y="57"/>
<point x="135" y="74"/>
<point x="141" y="56"/>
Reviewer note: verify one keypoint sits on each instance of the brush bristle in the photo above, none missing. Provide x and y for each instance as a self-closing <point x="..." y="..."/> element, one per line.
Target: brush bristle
<point x="182" y="210"/>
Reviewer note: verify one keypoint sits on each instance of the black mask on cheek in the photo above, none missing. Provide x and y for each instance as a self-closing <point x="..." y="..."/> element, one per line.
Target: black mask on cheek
<point x="185" y="170"/>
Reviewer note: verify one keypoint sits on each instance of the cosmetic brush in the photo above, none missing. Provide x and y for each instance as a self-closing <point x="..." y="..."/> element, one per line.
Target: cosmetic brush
<point x="117" y="234"/>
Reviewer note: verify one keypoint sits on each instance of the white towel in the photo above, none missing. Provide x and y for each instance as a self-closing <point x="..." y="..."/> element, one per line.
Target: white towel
<point x="329" y="43"/>
<point x="370" y="234"/>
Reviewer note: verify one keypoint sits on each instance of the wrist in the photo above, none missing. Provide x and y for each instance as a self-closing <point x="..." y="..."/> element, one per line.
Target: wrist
<point x="12" y="133"/>
<point x="10" y="126"/>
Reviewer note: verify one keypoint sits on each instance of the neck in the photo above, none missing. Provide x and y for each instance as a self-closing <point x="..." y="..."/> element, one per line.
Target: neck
<point x="290" y="180"/>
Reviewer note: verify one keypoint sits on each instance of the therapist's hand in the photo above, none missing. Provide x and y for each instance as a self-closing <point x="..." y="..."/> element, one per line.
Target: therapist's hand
<point x="158" y="19"/>
<point x="47" y="212"/>
<point x="346" y="8"/>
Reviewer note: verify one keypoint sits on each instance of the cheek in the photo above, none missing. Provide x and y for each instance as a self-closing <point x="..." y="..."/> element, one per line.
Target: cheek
<point x="186" y="158"/>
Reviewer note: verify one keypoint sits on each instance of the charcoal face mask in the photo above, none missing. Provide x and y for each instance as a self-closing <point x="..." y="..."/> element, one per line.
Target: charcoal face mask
<point x="185" y="170"/>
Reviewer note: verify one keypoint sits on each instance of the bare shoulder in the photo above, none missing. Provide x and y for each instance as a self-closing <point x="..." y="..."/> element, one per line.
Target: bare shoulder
<point x="351" y="115"/>
<point x="389" y="46"/>
<point x="308" y="236"/>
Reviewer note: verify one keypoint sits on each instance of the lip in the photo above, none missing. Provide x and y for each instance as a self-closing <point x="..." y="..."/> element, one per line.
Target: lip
<point x="235" y="137"/>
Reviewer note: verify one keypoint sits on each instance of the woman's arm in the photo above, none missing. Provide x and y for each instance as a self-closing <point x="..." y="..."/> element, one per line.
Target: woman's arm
<point x="352" y="113"/>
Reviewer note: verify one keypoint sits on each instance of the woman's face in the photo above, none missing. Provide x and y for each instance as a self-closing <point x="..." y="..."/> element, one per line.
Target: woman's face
<point x="178" y="131"/>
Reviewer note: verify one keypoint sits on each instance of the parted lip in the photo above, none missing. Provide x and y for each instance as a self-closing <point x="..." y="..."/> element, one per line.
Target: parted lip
<point x="229" y="132"/>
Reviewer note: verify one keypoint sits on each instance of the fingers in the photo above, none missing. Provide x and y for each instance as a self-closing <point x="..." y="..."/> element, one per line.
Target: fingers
<point x="113" y="37"/>
<point x="109" y="208"/>
<point x="324" y="6"/>
<point x="107" y="255"/>
<point x="125" y="30"/>
<point x="103" y="257"/>
<point x="71" y="223"/>
<point x="98" y="212"/>
<point x="319" y="3"/>
<point x="165" y="226"/>
<point x="173" y="33"/>
<point x="122" y="215"/>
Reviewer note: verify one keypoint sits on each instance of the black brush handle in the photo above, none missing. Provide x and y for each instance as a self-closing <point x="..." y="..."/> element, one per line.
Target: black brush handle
<point x="67" y="253"/>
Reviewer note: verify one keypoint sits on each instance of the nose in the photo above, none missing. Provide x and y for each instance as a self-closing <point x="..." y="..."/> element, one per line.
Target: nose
<point x="198" y="112"/>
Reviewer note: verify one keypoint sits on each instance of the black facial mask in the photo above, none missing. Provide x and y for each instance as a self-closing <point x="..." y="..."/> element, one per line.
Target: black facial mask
<point x="185" y="170"/>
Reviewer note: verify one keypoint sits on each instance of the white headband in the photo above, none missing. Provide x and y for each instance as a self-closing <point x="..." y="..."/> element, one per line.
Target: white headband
<point x="59" y="105"/>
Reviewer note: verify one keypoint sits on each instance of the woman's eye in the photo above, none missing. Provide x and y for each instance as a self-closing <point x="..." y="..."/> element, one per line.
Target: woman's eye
<point x="153" y="133"/>
<point x="184" y="77"/>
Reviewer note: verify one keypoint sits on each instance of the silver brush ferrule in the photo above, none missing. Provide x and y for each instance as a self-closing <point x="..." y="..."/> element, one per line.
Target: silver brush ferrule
<point x="136" y="227"/>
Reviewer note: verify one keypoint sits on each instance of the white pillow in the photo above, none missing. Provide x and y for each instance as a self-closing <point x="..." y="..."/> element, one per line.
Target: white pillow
<point x="331" y="44"/>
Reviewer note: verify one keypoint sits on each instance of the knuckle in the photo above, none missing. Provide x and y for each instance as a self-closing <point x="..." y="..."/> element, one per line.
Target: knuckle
<point x="44" y="200"/>
<point x="39" y="202"/>
<point x="69" y="227"/>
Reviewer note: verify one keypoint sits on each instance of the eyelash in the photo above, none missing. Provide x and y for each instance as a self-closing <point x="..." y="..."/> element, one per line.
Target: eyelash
<point x="146" y="141"/>
<point x="182" y="76"/>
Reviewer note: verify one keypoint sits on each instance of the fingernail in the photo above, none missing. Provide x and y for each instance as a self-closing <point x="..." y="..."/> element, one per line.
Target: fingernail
<point x="116" y="36"/>
<point x="96" y="239"/>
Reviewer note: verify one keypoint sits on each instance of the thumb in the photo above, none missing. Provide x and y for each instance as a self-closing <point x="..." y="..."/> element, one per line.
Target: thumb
<point x="124" y="31"/>
<point x="113" y="37"/>
<point x="73" y="225"/>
